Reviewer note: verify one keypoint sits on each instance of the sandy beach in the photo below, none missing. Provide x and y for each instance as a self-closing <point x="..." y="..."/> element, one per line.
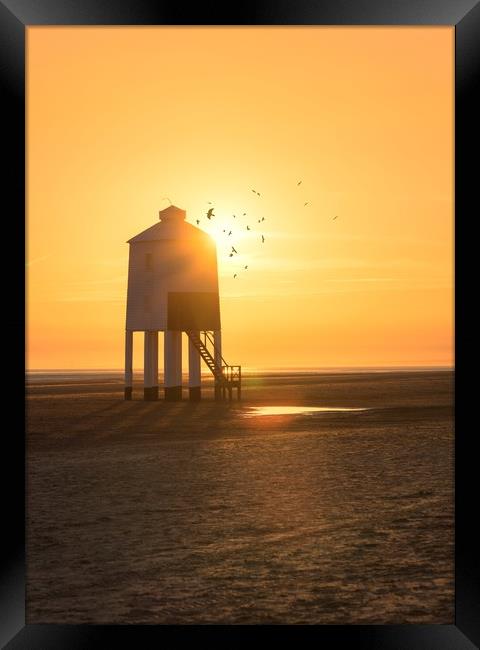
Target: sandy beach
<point x="155" y="512"/>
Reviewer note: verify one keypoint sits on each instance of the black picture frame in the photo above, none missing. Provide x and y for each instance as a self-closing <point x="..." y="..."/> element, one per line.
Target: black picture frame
<point x="15" y="16"/>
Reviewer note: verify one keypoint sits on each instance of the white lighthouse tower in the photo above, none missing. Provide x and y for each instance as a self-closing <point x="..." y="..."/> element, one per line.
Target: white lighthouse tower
<point x="173" y="288"/>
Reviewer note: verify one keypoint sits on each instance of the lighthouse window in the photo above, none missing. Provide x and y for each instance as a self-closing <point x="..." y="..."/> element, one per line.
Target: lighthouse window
<point x="148" y="262"/>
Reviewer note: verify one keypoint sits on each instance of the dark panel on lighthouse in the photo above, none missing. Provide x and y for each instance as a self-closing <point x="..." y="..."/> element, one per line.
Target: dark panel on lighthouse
<point x="193" y="311"/>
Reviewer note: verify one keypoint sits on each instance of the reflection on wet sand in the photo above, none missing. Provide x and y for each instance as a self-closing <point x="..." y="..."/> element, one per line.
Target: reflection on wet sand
<point x="295" y="410"/>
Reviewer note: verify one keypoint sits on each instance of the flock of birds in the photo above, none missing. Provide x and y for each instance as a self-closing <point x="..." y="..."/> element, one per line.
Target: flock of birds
<point x="210" y="215"/>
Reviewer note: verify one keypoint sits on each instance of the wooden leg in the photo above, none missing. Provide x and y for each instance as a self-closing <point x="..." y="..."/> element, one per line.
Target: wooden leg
<point x="194" y="372"/>
<point x="173" y="365"/>
<point x="128" y="364"/>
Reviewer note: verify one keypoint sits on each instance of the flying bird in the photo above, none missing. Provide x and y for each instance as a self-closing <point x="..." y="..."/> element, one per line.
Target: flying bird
<point x="262" y="219"/>
<point x="263" y="239"/>
<point x="248" y="227"/>
<point x="210" y="213"/>
<point x="299" y="182"/>
<point x="234" y="275"/>
<point x="234" y="216"/>
<point x="198" y="221"/>
<point x="254" y="191"/>
<point x="258" y="193"/>
<point x="336" y="217"/>
<point x="229" y="233"/>
<point x="233" y="250"/>
<point x="244" y="213"/>
<point x="231" y="255"/>
<point x="306" y="203"/>
<point x="246" y="266"/>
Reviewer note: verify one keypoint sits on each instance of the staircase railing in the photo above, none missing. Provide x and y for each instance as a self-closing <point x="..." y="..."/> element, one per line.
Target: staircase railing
<point x="226" y="376"/>
<point x="233" y="374"/>
<point x="208" y="337"/>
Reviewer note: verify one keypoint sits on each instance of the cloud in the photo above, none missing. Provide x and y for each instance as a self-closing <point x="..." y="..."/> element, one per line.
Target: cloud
<point x="36" y="260"/>
<point x="116" y="280"/>
<point x="112" y="261"/>
<point x="370" y="287"/>
<point x="93" y="297"/>
<point x="297" y="265"/>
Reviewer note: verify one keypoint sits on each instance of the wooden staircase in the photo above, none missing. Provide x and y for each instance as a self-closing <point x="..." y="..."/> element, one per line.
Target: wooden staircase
<point x="227" y="377"/>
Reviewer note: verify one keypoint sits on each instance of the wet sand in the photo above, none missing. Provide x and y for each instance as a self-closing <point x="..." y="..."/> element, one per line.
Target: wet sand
<point x="154" y="512"/>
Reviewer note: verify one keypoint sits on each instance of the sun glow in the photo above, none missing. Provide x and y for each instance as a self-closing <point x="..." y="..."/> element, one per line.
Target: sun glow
<point x="303" y="134"/>
<point x="236" y="237"/>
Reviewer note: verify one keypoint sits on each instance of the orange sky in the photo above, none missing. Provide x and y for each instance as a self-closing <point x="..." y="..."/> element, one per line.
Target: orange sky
<point x="118" y="118"/>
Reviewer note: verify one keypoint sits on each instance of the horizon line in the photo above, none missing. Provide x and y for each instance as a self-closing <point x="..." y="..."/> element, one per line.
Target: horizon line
<point x="266" y="368"/>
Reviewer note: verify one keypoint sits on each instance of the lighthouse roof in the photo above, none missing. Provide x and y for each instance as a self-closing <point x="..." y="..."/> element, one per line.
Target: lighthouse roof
<point x="172" y="225"/>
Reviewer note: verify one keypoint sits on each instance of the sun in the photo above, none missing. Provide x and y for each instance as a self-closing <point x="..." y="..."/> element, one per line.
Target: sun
<point x="224" y="231"/>
<point x="232" y="240"/>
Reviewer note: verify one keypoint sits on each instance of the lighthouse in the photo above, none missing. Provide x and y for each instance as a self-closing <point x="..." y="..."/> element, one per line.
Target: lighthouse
<point x="173" y="289"/>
